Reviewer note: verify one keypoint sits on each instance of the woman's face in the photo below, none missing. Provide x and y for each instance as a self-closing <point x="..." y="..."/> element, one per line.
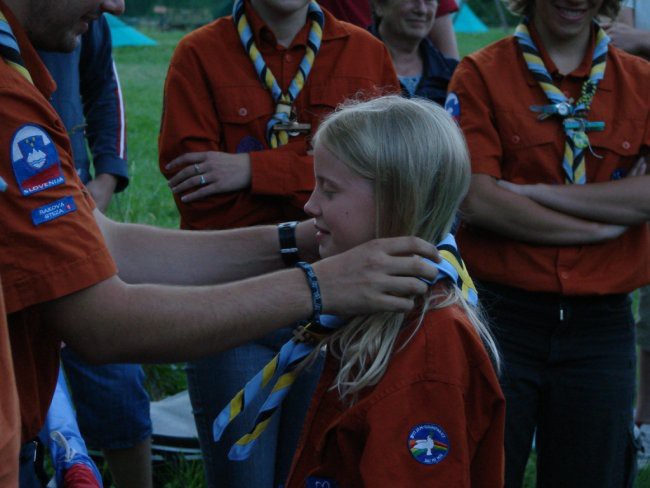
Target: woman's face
<point x="342" y="205"/>
<point x="565" y="20"/>
<point x="407" y="19"/>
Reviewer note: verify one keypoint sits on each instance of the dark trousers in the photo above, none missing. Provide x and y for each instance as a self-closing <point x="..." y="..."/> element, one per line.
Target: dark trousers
<point x="568" y="377"/>
<point x="31" y="474"/>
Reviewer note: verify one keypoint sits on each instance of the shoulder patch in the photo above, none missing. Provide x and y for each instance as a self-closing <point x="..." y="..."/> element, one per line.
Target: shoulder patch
<point x="452" y="105"/>
<point x="53" y="210"/>
<point x="428" y="443"/>
<point x="34" y="160"/>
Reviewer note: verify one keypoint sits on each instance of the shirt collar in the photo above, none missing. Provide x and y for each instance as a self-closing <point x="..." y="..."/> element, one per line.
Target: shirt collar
<point x="333" y="29"/>
<point x="37" y="70"/>
<point x="583" y="69"/>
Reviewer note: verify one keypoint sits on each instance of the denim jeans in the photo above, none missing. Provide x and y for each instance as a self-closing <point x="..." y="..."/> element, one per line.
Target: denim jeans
<point x="214" y="381"/>
<point x="111" y="402"/>
<point x="568" y="377"/>
<point x="28" y="477"/>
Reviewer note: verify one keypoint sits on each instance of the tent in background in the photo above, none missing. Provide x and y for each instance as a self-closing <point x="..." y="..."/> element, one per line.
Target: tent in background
<point x="466" y="21"/>
<point x="125" y="35"/>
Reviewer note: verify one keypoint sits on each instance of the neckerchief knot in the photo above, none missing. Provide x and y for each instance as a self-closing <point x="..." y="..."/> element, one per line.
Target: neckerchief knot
<point x="283" y="123"/>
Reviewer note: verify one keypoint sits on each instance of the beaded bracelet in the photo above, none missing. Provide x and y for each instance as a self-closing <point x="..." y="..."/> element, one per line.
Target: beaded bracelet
<point x="316" y="299"/>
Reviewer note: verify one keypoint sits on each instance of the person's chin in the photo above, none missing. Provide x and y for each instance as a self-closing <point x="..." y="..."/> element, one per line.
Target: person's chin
<point x="64" y="44"/>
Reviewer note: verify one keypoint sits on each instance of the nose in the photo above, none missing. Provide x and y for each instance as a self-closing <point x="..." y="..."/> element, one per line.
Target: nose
<point x="311" y="207"/>
<point x="115" y="7"/>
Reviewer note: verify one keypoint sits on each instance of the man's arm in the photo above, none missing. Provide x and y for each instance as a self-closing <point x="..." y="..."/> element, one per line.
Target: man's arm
<point x="626" y="37"/>
<point x="146" y="254"/>
<point x="493" y="208"/>
<point x="104" y="113"/>
<point x="443" y="36"/>
<point x="620" y="202"/>
<point x="113" y="321"/>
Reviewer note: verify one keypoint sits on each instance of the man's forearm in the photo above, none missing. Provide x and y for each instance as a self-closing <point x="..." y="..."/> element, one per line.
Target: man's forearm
<point x="146" y="254"/>
<point x="620" y="202"/>
<point x="519" y="217"/>
<point x="154" y="323"/>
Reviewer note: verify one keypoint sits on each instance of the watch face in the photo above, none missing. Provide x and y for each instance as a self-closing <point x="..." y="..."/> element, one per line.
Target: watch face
<point x="563" y="109"/>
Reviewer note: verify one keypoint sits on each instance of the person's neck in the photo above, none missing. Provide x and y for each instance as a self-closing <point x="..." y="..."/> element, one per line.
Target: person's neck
<point x="404" y="52"/>
<point x="566" y="53"/>
<point x="284" y="26"/>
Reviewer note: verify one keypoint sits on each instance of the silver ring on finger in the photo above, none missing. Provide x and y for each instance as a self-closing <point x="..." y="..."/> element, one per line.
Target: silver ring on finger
<point x="197" y="169"/>
<point x="202" y="180"/>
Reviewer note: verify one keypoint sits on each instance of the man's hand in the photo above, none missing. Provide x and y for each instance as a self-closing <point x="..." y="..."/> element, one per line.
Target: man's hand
<point x="209" y="173"/>
<point x="378" y="276"/>
<point x="102" y="188"/>
<point x="623" y="36"/>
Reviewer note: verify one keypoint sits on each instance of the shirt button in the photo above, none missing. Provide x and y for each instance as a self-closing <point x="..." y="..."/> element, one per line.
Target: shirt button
<point x="243" y="112"/>
<point x="626" y="145"/>
<point x="288" y="58"/>
<point x="516" y="139"/>
<point x="564" y="275"/>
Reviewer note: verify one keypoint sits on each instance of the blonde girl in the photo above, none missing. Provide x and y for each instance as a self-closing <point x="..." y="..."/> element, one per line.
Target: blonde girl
<point x="403" y="398"/>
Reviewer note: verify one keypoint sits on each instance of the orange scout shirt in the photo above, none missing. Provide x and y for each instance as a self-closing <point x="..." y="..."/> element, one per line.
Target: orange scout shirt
<point x="440" y="389"/>
<point x="50" y="245"/>
<point x="9" y="418"/>
<point x="495" y="90"/>
<point x="214" y="101"/>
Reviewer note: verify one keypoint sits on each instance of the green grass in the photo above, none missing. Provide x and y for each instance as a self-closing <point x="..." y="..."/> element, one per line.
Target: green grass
<point x="148" y="199"/>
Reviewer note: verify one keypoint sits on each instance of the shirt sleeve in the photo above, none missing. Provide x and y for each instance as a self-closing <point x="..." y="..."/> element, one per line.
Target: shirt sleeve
<point x="446" y="7"/>
<point x="418" y="434"/>
<point x="468" y="100"/>
<point x="51" y="243"/>
<point x="103" y="104"/>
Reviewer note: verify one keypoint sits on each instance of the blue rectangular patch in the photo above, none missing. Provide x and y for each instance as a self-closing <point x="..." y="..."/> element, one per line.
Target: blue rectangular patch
<point x="317" y="482"/>
<point x="53" y="210"/>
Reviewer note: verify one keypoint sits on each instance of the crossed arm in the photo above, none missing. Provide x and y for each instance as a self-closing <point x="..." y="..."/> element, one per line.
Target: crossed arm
<point x="493" y="205"/>
<point x="621" y="202"/>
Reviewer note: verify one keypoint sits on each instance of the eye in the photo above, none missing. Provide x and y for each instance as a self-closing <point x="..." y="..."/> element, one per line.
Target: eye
<point x="328" y="192"/>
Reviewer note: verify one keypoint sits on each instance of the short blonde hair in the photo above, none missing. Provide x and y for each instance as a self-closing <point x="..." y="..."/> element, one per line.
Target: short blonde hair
<point x="609" y="8"/>
<point x="416" y="157"/>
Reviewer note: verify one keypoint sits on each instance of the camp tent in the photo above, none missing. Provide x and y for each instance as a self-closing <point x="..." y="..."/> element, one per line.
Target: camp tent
<point x="466" y="21"/>
<point x="125" y="35"/>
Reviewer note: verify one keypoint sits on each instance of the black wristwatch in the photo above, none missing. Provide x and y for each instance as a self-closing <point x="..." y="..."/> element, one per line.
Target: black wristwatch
<point x="288" y="245"/>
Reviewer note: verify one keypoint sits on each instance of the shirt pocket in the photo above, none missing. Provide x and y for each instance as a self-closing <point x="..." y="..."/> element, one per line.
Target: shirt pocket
<point x="531" y="152"/>
<point x="616" y="149"/>
<point x="243" y="113"/>
<point x="326" y="95"/>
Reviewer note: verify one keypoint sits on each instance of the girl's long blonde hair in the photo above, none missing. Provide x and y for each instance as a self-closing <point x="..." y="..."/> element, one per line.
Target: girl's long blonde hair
<point x="415" y="154"/>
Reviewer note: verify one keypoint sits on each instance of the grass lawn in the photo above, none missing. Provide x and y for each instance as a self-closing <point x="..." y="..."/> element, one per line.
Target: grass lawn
<point x="148" y="199"/>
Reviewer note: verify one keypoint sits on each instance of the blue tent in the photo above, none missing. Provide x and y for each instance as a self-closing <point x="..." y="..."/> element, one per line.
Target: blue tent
<point x="125" y="35"/>
<point x="466" y="21"/>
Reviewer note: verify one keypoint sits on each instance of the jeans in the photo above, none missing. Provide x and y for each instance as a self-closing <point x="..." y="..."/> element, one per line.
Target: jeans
<point x="568" y="377"/>
<point x="30" y="467"/>
<point x="111" y="402"/>
<point x="214" y="381"/>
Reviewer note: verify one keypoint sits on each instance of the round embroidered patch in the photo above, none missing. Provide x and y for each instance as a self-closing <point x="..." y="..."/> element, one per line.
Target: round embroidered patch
<point x="428" y="443"/>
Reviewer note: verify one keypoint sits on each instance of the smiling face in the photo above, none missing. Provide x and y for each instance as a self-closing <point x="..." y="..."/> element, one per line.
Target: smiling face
<point x="565" y="20"/>
<point x="342" y="205"/>
<point x="406" y="19"/>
